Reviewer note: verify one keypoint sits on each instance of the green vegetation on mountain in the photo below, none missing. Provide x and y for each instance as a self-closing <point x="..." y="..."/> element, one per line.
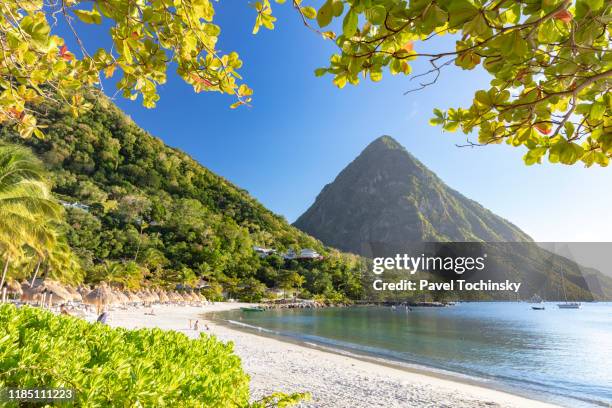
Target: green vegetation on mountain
<point x="386" y="196"/>
<point x="140" y="212"/>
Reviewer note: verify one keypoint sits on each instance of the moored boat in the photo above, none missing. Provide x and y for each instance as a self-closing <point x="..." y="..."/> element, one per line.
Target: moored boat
<point x="252" y="309"/>
<point x="569" y="305"/>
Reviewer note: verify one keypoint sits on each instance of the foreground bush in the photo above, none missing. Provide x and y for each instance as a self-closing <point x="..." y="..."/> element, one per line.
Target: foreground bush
<point x="119" y="367"/>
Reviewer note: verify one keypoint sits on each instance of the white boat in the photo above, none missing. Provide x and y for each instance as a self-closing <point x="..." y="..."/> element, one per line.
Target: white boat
<point x="566" y="305"/>
<point x="569" y="305"/>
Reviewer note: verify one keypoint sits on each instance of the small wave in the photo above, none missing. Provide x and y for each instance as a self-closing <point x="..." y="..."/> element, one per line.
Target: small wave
<point x="250" y="326"/>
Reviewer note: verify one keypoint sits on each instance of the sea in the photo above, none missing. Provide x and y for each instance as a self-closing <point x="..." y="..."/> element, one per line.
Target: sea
<point x="563" y="356"/>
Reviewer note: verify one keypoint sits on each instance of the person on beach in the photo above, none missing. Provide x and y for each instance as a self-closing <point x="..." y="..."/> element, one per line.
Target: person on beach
<point x="196" y="325"/>
<point x="64" y="309"/>
<point x="103" y="317"/>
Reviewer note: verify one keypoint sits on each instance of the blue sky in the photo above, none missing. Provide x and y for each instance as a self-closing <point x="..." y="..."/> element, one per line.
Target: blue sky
<point x="301" y="131"/>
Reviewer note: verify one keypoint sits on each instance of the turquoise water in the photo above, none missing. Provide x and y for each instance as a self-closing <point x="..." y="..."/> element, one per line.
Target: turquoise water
<point x="561" y="356"/>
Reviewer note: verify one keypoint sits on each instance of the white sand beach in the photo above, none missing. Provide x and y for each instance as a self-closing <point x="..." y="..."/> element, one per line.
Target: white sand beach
<point x="334" y="380"/>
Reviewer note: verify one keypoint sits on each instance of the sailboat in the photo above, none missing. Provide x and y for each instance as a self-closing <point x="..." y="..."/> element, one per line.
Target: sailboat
<point x="537" y="299"/>
<point x="566" y="305"/>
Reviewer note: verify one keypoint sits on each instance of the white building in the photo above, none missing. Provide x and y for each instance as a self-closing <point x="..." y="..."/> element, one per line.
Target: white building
<point x="309" y="253"/>
<point x="263" y="252"/>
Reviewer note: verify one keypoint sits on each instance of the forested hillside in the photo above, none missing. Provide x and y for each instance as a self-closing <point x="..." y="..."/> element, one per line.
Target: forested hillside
<point x="139" y="211"/>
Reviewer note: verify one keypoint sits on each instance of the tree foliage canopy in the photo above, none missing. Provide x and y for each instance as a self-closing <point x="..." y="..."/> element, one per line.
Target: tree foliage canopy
<point x="147" y="36"/>
<point x="549" y="60"/>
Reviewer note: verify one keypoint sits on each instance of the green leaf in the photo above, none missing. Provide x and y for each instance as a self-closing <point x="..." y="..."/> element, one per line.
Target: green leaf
<point x="461" y="11"/>
<point x="349" y="25"/>
<point x="376" y="15"/>
<point x="593" y="4"/>
<point x="325" y="14"/>
<point x="337" y="8"/>
<point x="534" y="156"/>
<point x="309" y="12"/>
<point x="565" y="152"/>
<point x="320" y="71"/>
<point x="89" y="16"/>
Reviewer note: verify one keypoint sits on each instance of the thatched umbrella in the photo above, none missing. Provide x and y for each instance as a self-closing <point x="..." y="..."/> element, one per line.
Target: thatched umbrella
<point x="29" y="294"/>
<point x="14" y="288"/>
<point x="172" y="296"/>
<point x="76" y="296"/>
<point x="137" y="298"/>
<point x="154" y="296"/>
<point x="121" y="297"/>
<point x="132" y="297"/>
<point x="151" y="296"/>
<point x="45" y="288"/>
<point x="163" y="297"/>
<point x="100" y="296"/>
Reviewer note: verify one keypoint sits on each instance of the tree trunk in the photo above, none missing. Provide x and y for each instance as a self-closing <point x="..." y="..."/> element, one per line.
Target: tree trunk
<point x="6" y="264"/>
<point x="35" y="272"/>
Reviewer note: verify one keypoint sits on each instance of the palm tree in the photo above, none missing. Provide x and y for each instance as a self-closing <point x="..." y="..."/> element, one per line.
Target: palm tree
<point x="27" y="207"/>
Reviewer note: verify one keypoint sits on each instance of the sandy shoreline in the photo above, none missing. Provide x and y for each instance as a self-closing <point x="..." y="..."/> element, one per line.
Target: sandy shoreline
<point x="333" y="380"/>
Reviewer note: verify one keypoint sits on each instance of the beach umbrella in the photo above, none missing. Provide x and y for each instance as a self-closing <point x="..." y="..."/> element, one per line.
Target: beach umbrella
<point x="132" y="297"/>
<point x="142" y="295"/>
<point x="163" y="297"/>
<point x="29" y="294"/>
<point x="76" y="296"/>
<point x="14" y="288"/>
<point x="146" y="295"/>
<point x="100" y="296"/>
<point x="52" y="289"/>
<point x="121" y="298"/>
<point x="154" y="296"/>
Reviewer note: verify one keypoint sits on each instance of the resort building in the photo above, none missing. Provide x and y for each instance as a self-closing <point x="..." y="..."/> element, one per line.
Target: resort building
<point x="264" y="252"/>
<point x="78" y="205"/>
<point x="308" y="253"/>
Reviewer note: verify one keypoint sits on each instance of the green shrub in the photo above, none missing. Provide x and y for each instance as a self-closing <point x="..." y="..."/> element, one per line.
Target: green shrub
<point x="119" y="367"/>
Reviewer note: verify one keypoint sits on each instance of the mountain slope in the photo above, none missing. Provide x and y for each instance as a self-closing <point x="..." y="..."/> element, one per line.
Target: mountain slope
<point x="386" y="202"/>
<point x="129" y="197"/>
<point x="387" y="196"/>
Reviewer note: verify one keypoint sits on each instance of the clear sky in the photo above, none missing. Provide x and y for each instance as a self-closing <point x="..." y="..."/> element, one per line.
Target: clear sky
<point x="301" y="131"/>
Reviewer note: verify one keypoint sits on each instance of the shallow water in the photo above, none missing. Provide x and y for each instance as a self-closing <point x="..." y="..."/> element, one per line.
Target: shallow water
<point x="561" y="356"/>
